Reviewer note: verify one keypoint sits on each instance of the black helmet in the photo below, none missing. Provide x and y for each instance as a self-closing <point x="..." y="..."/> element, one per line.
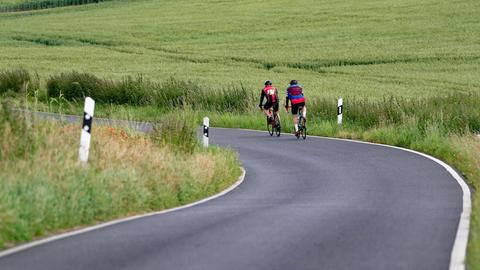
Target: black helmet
<point x="292" y="82"/>
<point x="268" y="82"/>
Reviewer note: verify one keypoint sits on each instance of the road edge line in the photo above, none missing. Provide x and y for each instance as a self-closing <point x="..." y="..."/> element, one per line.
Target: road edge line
<point x="30" y="245"/>
<point x="458" y="254"/>
<point x="459" y="250"/>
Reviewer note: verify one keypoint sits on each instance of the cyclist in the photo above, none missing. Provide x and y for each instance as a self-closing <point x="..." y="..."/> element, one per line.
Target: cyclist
<point x="271" y="94"/>
<point x="295" y="95"/>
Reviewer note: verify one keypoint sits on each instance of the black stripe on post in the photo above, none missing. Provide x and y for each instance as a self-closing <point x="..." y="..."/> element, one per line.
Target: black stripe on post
<point x="205" y="131"/>
<point x="340" y="110"/>
<point x="87" y="122"/>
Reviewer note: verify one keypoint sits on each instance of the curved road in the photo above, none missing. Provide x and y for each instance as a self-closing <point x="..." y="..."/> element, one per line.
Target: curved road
<point x="314" y="204"/>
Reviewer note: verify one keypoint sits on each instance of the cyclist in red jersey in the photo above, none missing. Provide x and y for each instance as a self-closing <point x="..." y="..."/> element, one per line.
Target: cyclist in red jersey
<point x="271" y="94"/>
<point x="295" y="95"/>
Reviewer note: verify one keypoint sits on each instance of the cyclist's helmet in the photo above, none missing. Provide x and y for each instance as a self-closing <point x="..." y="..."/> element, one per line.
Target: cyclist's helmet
<point x="292" y="82"/>
<point x="268" y="82"/>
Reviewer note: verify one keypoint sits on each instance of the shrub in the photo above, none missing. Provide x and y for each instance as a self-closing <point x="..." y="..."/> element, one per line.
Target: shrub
<point x="236" y="99"/>
<point x="18" y="81"/>
<point x="167" y="95"/>
<point x="72" y="85"/>
<point x="175" y="93"/>
<point x="134" y="91"/>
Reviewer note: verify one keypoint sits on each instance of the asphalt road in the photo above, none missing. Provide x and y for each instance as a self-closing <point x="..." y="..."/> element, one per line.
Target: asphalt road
<point x="313" y="204"/>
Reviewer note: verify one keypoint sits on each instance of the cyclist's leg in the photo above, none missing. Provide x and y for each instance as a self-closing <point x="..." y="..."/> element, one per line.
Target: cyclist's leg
<point x="267" y="112"/>
<point x="295" y="122"/>
<point x="304" y="112"/>
<point x="267" y="109"/>
<point x="294" y="114"/>
<point x="275" y="109"/>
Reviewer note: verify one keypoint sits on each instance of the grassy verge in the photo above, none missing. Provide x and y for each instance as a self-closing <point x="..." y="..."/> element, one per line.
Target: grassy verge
<point x="44" y="190"/>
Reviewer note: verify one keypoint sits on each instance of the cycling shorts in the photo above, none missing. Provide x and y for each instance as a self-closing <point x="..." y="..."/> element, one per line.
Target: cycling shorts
<point x="297" y="106"/>
<point x="269" y="105"/>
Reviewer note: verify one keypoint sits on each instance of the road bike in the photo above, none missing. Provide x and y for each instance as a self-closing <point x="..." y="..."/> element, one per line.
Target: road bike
<point x="273" y="125"/>
<point x="302" y="125"/>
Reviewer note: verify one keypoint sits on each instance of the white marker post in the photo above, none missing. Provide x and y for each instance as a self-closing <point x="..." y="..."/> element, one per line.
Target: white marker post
<point x="86" y="130"/>
<point x="206" y="124"/>
<point x="340" y="111"/>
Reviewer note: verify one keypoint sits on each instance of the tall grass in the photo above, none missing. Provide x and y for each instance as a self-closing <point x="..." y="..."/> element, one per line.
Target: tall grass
<point x="139" y="90"/>
<point x="76" y="86"/>
<point x="18" y="128"/>
<point x="18" y="81"/>
<point x="177" y="129"/>
<point x="43" y="4"/>
<point x="43" y="189"/>
<point x="455" y="113"/>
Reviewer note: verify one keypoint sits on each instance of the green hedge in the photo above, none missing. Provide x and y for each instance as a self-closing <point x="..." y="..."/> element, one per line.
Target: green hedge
<point x="17" y="81"/>
<point x="44" y="4"/>
<point x="172" y="93"/>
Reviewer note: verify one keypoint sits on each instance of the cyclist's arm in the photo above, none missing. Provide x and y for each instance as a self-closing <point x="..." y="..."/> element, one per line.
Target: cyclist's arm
<point x="261" y="98"/>
<point x="287" y="99"/>
<point x="277" y="97"/>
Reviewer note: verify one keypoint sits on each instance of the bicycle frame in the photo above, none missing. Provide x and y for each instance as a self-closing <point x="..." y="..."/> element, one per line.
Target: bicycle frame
<point x="274" y="127"/>
<point x="301" y="122"/>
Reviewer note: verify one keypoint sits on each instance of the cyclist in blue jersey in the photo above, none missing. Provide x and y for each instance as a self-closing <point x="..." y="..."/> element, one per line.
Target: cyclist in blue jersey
<point x="297" y="98"/>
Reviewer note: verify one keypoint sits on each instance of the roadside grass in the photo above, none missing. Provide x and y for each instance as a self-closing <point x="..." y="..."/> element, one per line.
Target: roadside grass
<point x="44" y="190"/>
<point x="456" y="112"/>
<point x="469" y="164"/>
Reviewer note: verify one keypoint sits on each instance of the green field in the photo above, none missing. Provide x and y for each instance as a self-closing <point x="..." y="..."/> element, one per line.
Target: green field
<point x="408" y="70"/>
<point x="10" y="2"/>
<point x="341" y="48"/>
<point x="28" y="5"/>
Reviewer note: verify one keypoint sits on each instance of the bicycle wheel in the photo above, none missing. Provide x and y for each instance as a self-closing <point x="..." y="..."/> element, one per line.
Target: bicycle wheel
<point x="300" y="127"/>
<point x="278" y="128"/>
<point x="270" y="128"/>
<point x="304" y="128"/>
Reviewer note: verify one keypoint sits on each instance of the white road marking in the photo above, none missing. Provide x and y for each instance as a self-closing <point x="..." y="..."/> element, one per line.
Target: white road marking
<point x="459" y="250"/>
<point x="117" y="221"/>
